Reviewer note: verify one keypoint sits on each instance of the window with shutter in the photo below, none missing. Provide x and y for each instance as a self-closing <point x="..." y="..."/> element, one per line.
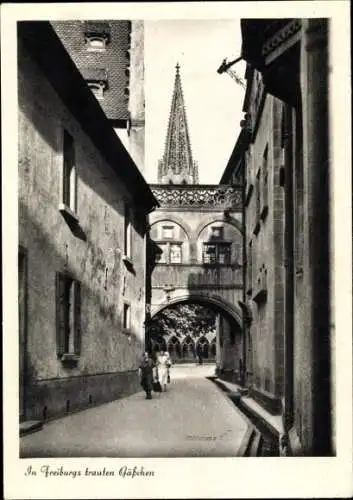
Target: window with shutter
<point x="68" y="317"/>
<point x="264" y="196"/>
<point x="77" y="339"/>
<point x="170" y="253"/>
<point x="60" y="314"/>
<point x="69" y="173"/>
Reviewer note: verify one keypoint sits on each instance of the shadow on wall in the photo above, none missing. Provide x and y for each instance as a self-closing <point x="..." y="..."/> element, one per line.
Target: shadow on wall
<point x="229" y="359"/>
<point x="39" y="133"/>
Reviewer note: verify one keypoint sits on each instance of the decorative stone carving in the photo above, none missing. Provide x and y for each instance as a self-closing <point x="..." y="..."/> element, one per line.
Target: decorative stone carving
<point x="281" y="36"/>
<point x="198" y="196"/>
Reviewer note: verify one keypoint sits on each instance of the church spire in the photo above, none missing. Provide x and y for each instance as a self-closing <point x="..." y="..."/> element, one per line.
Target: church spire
<point x="177" y="165"/>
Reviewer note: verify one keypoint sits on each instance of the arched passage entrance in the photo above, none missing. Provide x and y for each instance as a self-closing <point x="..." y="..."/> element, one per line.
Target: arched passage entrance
<point x="221" y="346"/>
<point x="219" y="303"/>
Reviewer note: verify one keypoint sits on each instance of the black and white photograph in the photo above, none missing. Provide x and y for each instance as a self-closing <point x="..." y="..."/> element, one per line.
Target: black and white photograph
<point x="176" y="246"/>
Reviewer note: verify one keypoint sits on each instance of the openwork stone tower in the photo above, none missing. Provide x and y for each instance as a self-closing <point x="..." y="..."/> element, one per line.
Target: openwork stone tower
<point x="177" y="165"/>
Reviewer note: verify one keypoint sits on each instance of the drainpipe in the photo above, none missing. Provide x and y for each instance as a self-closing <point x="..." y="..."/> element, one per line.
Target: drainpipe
<point x="288" y="415"/>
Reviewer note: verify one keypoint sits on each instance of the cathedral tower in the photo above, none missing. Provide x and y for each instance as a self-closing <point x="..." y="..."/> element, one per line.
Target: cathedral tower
<point x="177" y="165"/>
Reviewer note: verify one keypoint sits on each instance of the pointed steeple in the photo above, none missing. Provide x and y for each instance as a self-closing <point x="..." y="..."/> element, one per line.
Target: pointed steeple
<point x="177" y="165"/>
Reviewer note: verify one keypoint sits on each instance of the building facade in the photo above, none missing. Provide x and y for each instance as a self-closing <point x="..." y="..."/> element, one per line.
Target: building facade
<point x="287" y="229"/>
<point x="83" y="207"/>
<point x="110" y="56"/>
<point x="198" y="256"/>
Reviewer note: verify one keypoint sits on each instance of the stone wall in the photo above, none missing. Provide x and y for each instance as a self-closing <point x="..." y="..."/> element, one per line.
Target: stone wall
<point x="191" y="276"/>
<point x="92" y="252"/>
<point x="264" y="243"/>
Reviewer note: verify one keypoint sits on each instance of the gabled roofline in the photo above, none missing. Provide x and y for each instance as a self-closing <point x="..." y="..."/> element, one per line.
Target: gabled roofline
<point x="46" y="48"/>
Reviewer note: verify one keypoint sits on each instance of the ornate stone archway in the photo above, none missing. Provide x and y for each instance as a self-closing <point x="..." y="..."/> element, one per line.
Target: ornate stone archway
<point x="234" y="311"/>
<point x="228" y="319"/>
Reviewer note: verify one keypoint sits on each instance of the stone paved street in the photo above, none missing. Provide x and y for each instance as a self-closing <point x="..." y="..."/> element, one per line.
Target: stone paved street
<point x="193" y="419"/>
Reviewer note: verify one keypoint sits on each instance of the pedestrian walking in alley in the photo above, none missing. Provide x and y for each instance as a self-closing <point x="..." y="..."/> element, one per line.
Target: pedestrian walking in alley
<point x="163" y="365"/>
<point x="146" y="374"/>
<point x="169" y="365"/>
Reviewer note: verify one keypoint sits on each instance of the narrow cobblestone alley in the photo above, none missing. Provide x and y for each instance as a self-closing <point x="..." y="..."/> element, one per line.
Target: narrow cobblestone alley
<point x="192" y="419"/>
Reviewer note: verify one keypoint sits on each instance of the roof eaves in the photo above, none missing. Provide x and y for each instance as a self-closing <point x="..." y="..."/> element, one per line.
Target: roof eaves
<point x="46" y="48"/>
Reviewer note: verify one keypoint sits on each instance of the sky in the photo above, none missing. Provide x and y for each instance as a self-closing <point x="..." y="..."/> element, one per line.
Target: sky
<point x="213" y="102"/>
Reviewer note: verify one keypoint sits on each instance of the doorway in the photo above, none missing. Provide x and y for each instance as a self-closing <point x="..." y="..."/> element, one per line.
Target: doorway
<point x="22" y="327"/>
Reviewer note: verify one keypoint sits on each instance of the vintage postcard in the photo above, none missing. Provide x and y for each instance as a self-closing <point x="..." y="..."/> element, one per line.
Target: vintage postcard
<point x="177" y="250"/>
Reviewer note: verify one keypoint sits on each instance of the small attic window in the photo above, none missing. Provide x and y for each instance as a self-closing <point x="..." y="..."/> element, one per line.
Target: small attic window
<point x="97" y="35"/>
<point x="96" y="44"/>
<point x="96" y="79"/>
<point x="98" y="89"/>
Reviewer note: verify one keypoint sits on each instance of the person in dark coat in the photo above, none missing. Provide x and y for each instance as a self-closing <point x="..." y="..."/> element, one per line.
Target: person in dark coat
<point x="199" y="353"/>
<point x="146" y="373"/>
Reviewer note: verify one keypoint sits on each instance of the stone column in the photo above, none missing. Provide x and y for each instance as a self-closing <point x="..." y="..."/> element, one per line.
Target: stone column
<point x="289" y="270"/>
<point x="218" y="342"/>
<point x="314" y="87"/>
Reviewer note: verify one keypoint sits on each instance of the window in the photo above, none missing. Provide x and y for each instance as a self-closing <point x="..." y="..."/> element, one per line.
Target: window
<point x="216" y="253"/>
<point x="69" y="193"/>
<point x="217" y="232"/>
<point x="258" y="202"/>
<point x="174" y="348"/>
<point x="98" y="89"/>
<point x="127" y="233"/>
<point x="171" y="253"/>
<point x="96" y="43"/>
<point x="68" y="321"/>
<point x="175" y="253"/>
<point x="97" y="35"/>
<point x="126" y="316"/>
<point x="168" y="232"/>
<point x="22" y="324"/>
<point x="299" y="200"/>
<point x="213" y="348"/>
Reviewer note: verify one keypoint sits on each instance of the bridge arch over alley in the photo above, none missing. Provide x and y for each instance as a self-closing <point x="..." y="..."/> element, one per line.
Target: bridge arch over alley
<point x="197" y="231"/>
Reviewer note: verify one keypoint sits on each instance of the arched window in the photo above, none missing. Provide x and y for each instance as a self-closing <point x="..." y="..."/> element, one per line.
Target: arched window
<point x="174" y="348"/>
<point x="188" y="349"/>
<point x="160" y="345"/>
<point x="203" y="347"/>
